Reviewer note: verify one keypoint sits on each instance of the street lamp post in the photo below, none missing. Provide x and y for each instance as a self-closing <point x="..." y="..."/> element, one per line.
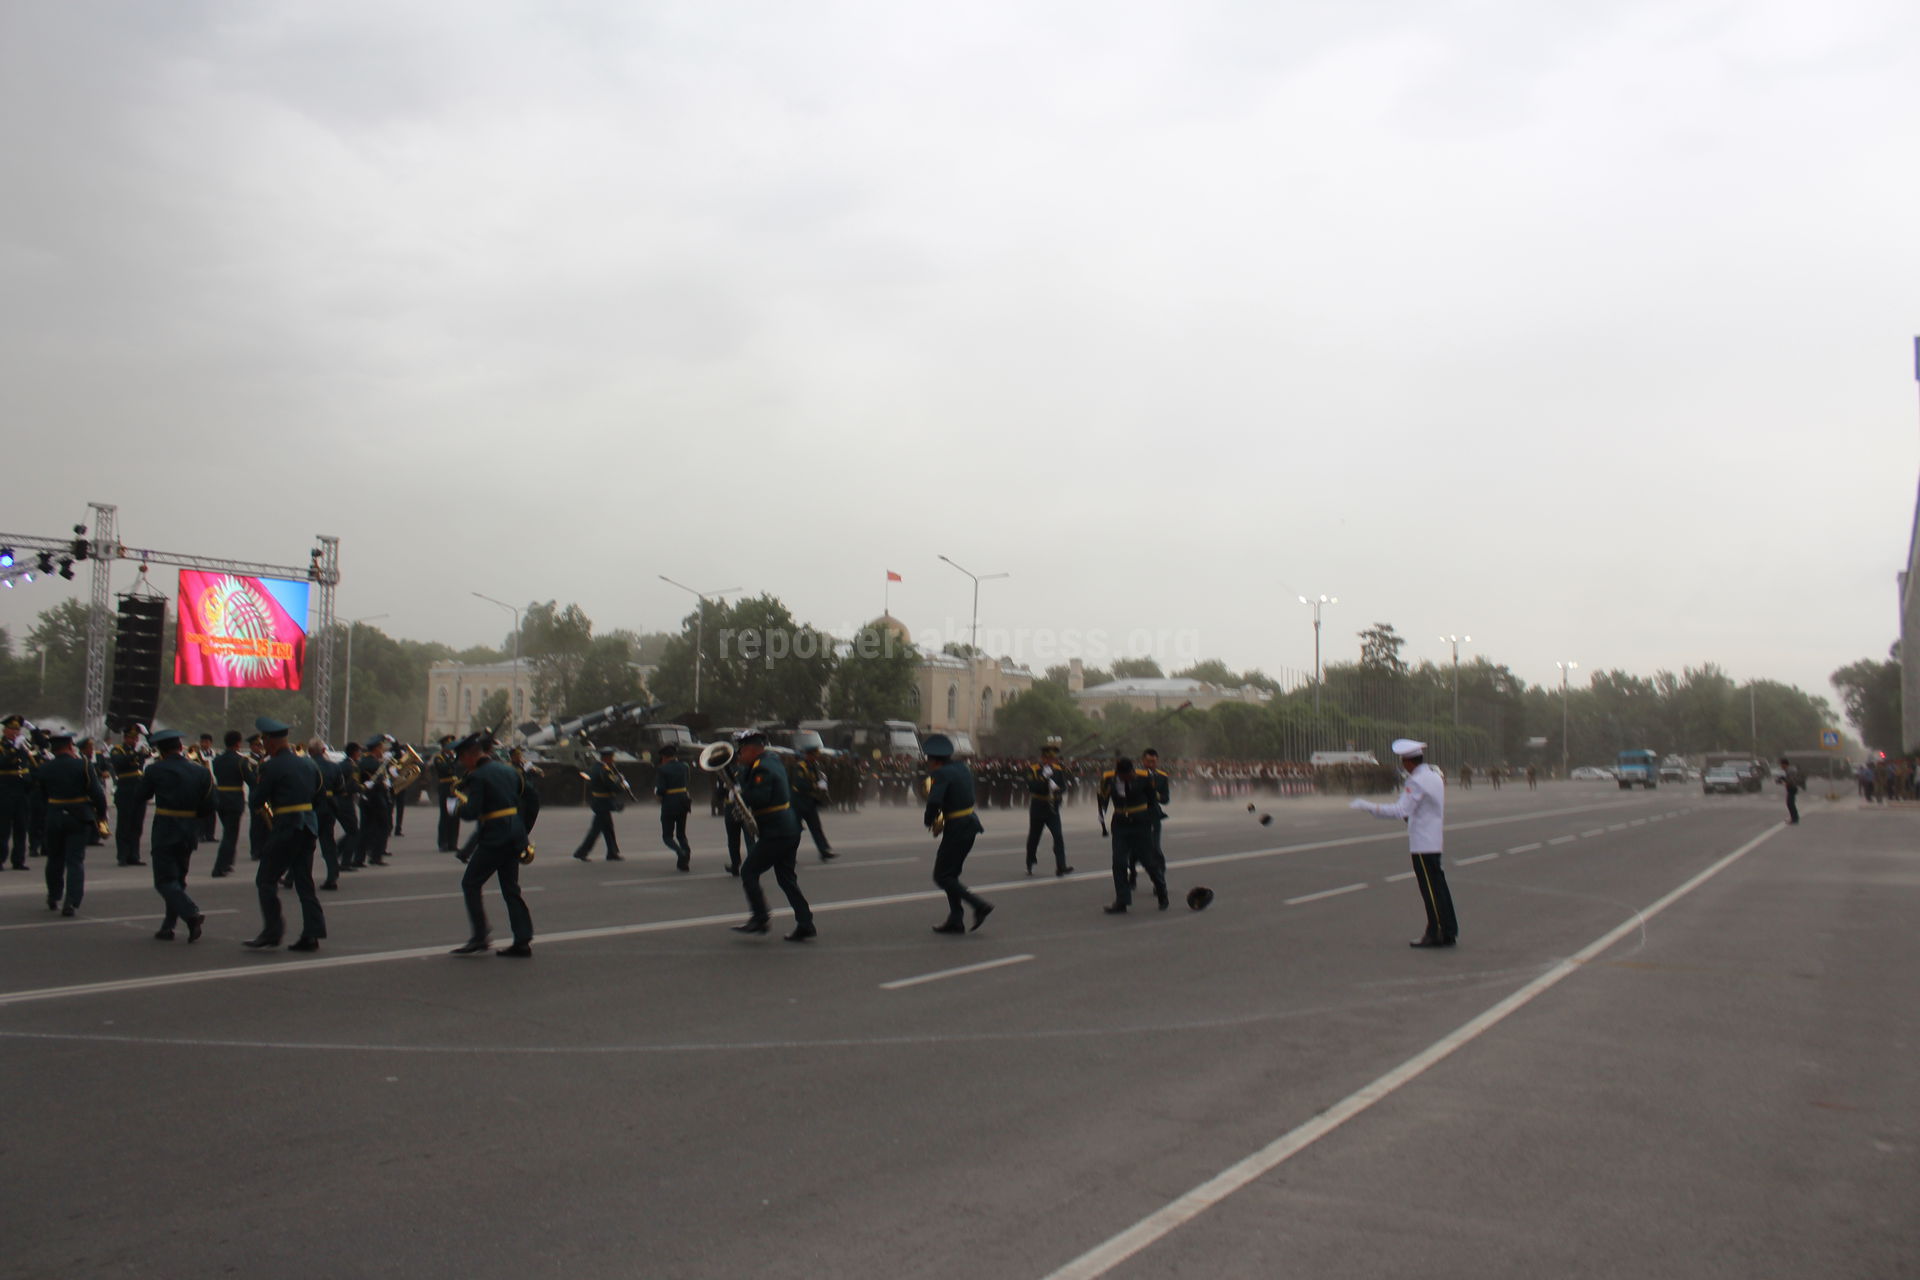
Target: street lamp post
<point x="699" y="626"/>
<point x="1316" y="603"/>
<point x="1456" y="642"/>
<point x="1565" y="667"/>
<point x="973" y="655"/>
<point x="346" y="712"/>
<point x="515" y="695"/>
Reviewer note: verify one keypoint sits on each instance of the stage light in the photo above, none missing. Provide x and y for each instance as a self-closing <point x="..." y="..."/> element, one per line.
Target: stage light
<point x="46" y="562"/>
<point x="27" y="576"/>
<point x="6" y="557"/>
<point x="66" y="570"/>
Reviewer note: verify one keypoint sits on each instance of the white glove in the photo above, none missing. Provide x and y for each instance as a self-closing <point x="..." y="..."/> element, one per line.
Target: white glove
<point x="1362" y="805"/>
<point x="453" y="806"/>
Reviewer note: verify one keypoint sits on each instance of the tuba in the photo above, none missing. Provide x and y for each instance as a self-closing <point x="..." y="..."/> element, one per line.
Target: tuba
<point x="407" y="769"/>
<point x="714" y="759"/>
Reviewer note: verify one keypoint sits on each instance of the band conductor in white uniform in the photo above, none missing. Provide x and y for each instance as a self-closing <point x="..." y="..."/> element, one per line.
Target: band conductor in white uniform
<point x="1423" y="807"/>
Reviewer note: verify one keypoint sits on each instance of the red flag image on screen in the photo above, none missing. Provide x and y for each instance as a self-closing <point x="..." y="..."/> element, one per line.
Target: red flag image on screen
<point x="240" y="633"/>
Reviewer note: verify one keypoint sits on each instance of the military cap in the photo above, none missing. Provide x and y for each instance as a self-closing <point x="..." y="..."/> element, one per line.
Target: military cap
<point x="1199" y="897"/>
<point x="606" y="753"/>
<point x="938" y="744"/>
<point x="1404" y="747"/>
<point x="472" y="742"/>
<point x="12" y="722"/>
<point x="747" y="737"/>
<point x="271" y="728"/>
<point x="668" y="750"/>
<point x="135" y="728"/>
<point x="165" y="736"/>
<point x="58" y="740"/>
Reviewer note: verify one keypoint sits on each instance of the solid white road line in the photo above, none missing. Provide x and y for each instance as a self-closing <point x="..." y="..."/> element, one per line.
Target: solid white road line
<point x="331" y="903"/>
<point x="983" y="966"/>
<point x="67" y="922"/>
<point x="1326" y="893"/>
<point x="1103" y="1258"/>
<point x="1485" y="857"/>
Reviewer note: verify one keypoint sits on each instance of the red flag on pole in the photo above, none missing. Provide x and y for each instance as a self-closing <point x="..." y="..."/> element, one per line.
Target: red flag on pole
<point x="894" y="577"/>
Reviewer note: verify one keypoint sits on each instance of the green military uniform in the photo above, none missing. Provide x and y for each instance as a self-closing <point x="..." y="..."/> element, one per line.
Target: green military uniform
<point x="1046" y="784"/>
<point x="75" y="803"/>
<point x="765" y="790"/>
<point x="492" y="796"/>
<point x="672" y="784"/>
<point x="604" y="792"/>
<point x="809" y="793"/>
<point x="182" y="794"/>
<point x="16" y="768"/>
<point x="1131" y="797"/>
<point x="346" y="807"/>
<point x="446" y="772"/>
<point x="284" y="793"/>
<point x="127" y="762"/>
<point x="232" y="774"/>
<point x="950" y="797"/>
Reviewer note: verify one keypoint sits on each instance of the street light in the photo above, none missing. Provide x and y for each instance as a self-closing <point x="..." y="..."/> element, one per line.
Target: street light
<point x="516" y="694"/>
<point x="1316" y="604"/>
<point x="346" y="713"/>
<point x="1456" y="642"/>
<point x="1565" y="667"/>
<point x="973" y="645"/>
<point x="699" y="626"/>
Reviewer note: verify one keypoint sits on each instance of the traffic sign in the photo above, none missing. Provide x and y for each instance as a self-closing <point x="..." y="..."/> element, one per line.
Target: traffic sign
<point x="1829" y="739"/>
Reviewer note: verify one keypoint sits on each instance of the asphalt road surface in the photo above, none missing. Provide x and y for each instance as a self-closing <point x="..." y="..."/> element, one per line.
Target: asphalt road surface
<point x="1677" y="1039"/>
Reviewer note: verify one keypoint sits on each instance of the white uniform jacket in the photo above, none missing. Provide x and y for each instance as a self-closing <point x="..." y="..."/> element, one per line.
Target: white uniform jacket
<point x="1423" y="804"/>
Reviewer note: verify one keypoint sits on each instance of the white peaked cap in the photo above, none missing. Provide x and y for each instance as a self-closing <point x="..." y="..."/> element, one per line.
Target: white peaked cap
<point x="1404" y="747"/>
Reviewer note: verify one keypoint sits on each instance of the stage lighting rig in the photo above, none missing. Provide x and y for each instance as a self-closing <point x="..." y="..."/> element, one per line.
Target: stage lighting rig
<point x="6" y="557"/>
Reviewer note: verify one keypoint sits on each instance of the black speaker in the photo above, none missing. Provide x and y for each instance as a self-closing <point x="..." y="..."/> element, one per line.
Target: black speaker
<point x="135" y="693"/>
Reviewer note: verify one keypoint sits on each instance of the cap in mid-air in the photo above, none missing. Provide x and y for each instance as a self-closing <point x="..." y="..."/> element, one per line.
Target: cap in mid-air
<point x="937" y="744"/>
<point x="1404" y="747"/>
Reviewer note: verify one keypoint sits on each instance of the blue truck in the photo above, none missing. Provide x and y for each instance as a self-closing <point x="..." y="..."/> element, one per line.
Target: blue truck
<point x="1638" y="766"/>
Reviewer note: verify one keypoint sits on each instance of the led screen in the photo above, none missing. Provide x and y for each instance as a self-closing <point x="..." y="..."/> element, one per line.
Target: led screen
<point x="240" y="633"/>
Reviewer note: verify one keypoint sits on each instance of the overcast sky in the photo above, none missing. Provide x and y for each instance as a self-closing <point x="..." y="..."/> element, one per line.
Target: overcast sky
<point x="1586" y="329"/>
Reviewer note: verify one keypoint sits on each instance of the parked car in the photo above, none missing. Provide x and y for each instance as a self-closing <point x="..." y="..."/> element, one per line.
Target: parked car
<point x="1727" y="779"/>
<point x="1591" y="773"/>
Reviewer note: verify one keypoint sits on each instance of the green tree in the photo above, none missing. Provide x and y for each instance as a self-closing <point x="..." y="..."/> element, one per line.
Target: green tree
<point x="1870" y="693"/>
<point x="874" y="680"/>
<point x="1380" y="649"/>
<point x="607" y="676"/>
<point x="1090" y="676"/>
<point x="1136" y="669"/>
<point x="492" y="713"/>
<point x="1028" y="718"/>
<point x="1211" y="671"/>
<point x="555" y="643"/>
<point x="758" y="664"/>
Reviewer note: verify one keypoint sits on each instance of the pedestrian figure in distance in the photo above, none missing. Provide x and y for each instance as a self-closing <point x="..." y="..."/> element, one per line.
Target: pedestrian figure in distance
<point x="1791" y="779"/>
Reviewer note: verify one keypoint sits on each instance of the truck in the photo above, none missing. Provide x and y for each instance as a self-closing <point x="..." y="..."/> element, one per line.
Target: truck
<point x="1638" y="766"/>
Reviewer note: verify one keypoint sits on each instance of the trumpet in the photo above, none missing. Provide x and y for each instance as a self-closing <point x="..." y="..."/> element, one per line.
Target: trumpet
<point x="714" y="759"/>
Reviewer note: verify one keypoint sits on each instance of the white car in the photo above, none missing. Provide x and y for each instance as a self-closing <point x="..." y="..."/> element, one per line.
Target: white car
<point x="1591" y="773"/>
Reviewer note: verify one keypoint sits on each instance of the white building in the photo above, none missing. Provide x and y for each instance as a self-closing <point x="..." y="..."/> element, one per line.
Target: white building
<point x="455" y="691"/>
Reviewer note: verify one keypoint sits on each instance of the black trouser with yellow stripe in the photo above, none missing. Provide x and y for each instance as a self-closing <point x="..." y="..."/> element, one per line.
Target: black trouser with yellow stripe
<point x="1432" y="879"/>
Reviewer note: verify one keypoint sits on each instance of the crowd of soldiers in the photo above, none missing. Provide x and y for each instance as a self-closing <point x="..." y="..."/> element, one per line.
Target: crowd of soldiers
<point x="1888" y="779"/>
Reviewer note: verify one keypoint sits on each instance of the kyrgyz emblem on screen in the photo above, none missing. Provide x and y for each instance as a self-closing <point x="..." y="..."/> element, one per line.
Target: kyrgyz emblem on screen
<point x="239" y="632"/>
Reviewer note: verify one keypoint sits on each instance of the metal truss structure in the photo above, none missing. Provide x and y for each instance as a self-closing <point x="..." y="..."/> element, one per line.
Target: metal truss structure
<point x="99" y="542"/>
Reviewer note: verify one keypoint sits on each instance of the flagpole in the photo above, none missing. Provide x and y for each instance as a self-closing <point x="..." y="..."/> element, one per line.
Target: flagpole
<point x="886" y="596"/>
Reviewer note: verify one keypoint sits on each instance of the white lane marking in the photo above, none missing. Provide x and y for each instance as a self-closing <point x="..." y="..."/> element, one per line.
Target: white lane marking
<point x="1104" y="1257"/>
<point x="899" y="983"/>
<point x="1597" y="831"/>
<point x="1526" y="848"/>
<point x="1404" y="875"/>
<point x="1563" y="840"/>
<point x="1327" y="893"/>
<point x="1617" y="826"/>
<point x="1638" y="822"/>
<point x="1467" y="862"/>
<point x="67" y="922"/>
<point x="1657" y="818"/>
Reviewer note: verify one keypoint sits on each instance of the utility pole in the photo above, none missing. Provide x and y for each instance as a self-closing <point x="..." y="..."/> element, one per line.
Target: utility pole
<point x="1316" y="604"/>
<point x="1564" y="668"/>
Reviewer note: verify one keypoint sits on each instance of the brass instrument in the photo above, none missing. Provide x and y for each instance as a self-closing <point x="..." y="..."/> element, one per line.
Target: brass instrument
<point x="100" y="825"/>
<point x="526" y="854"/>
<point x="714" y="759"/>
<point x="407" y="769"/>
<point x="939" y="823"/>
